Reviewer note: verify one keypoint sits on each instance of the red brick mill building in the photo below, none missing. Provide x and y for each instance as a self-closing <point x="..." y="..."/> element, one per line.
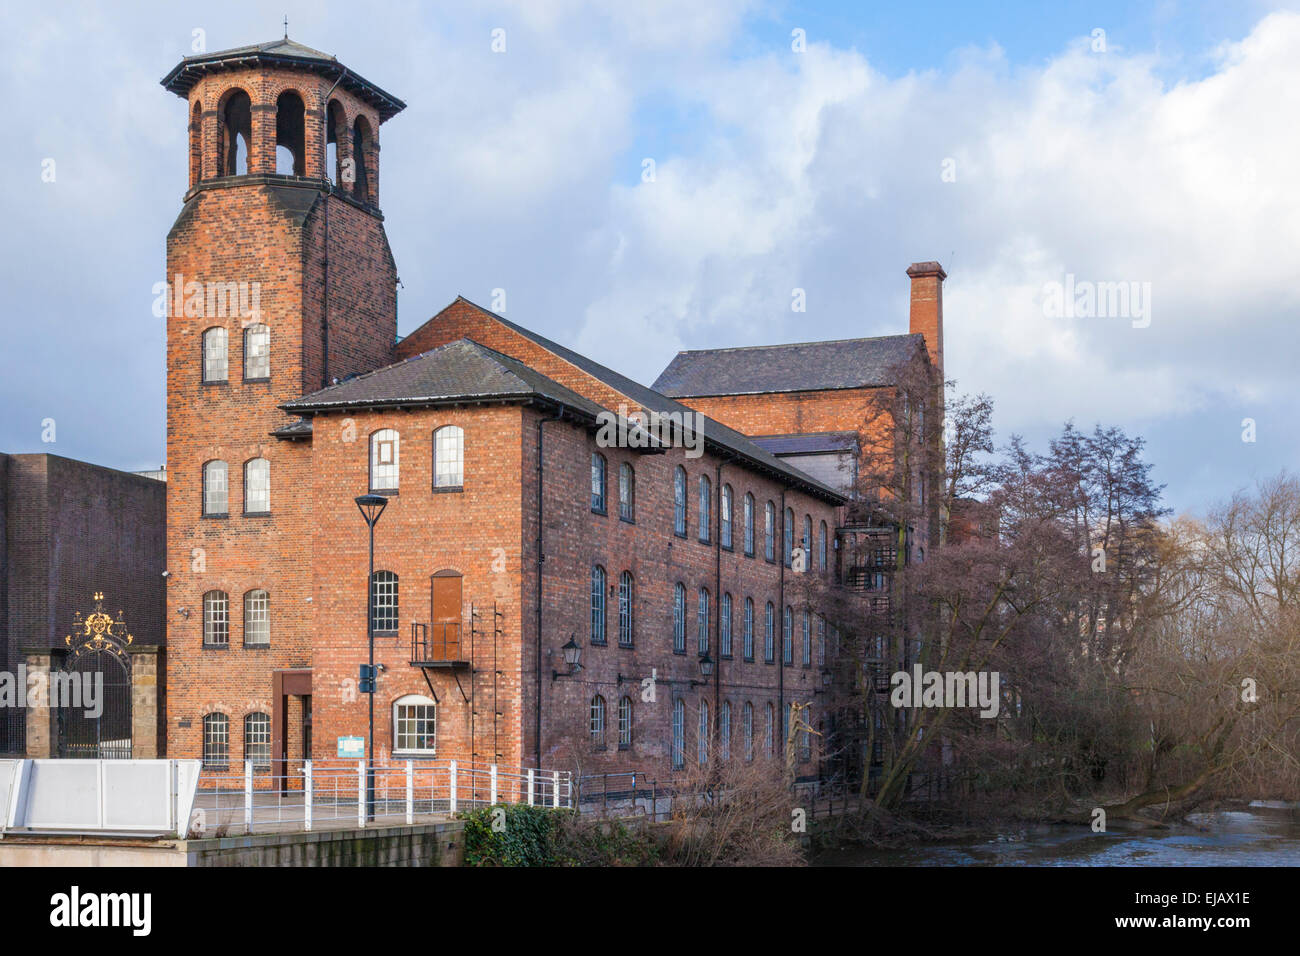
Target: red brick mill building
<point x="512" y="529"/>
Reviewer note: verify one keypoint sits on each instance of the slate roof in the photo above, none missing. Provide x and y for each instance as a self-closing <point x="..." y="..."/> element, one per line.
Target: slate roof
<point x="800" y="367"/>
<point x="719" y="435"/>
<point x="282" y="52"/>
<point x="814" y="443"/>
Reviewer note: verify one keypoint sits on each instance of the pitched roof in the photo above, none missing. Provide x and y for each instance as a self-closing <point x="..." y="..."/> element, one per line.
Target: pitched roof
<point x="715" y="433"/>
<point x="282" y="52"/>
<point x="799" y="367"/>
<point x="813" y="443"/>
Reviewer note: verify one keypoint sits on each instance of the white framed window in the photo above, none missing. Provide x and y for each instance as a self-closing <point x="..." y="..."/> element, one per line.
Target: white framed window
<point x="257" y="619"/>
<point x="415" y="725"/>
<point x="769" y="531"/>
<point x="216" y="741"/>
<point x="724" y="624"/>
<point x="625" y="722"/>
<point x="679" y="733"/>
<point x="769" y="639"/>
<point x="679" y="501"/>
<point x="724" y="516"/>
<point x="597" y="721"/>
<point x="702" y="621"/>
<point x="216" y="488"/>
<point x="724" y="731"/>
<point x="771" y="730"/>
<point x="257" y="740"/>
<point x="597" y="604"/>
<point x="748" y="634"/>
<point x="216" y="355"/>
<point x="679" y="619"/>
<point x="257" y="353"/>
<point x="806" y="648"/>
<point x="749" y="525"/>
<point x="625" y="606"/>
<point x="787" y="534"/>
<point x="598" y="482"/>
<point x="216" y="619"/>
<point x="706" y="507"/>
<point x="702" y="734"/>
<point x="449" y="457"/>
<point x="257" y="487"/>
<point x="385" y="452"/>
<point x="821" y="547"/>
<point x="787" y="636"/>
<point x="626" y="492"/>
<point x="384" y="602"/>
<point x="747" y="729"/>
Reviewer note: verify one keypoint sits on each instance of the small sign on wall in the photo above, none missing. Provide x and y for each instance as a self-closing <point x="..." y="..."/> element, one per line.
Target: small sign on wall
<point x="352" y="748"/>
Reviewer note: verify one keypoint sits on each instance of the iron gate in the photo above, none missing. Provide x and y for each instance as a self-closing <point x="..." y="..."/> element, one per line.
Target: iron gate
<point x="94" y="689"/>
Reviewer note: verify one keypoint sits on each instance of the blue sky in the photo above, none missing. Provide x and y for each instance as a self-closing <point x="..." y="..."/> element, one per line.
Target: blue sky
<point x="1159" y="160"/>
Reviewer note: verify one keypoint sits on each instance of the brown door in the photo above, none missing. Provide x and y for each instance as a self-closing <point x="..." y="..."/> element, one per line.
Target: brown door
<point x="445" y="636"/>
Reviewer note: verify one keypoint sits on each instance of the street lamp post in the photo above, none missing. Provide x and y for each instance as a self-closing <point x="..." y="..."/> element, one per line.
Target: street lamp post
<point x="371" y="507"/>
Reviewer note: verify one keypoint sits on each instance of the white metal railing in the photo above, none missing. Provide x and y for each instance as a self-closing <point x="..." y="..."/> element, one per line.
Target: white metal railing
<point x="330" y="794"/>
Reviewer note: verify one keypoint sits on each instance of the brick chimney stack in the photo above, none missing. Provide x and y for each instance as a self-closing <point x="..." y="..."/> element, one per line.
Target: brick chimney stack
<point x="927" y="307"/>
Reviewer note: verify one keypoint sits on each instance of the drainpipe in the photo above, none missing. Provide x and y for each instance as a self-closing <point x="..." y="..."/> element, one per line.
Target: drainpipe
<point x="541" y="559"/>
<point x="717" y="601"/>
<point x="780" y="616"/>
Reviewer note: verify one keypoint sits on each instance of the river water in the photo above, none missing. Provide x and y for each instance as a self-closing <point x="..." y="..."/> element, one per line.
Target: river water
<point x="1251" y="837"/>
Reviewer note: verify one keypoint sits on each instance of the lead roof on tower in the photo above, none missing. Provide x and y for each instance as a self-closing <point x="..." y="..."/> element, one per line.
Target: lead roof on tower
<point x="287" y="53"/>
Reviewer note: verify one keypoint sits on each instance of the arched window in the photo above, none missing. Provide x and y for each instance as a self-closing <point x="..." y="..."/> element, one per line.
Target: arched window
<point x="805" y="653"/>
<point x="384" y="455"/>
<point x="196" y="143"/>
<point x="806" y="542"/>
<point x="747" y="729"/>
<point x="679" y="733"/>
<point x="597" y="604"/>
<point x="383" y="602"/>
<point x="787" y="636"/>
<point x="290" y="155"/>
<point x="702" y="621"/>
<point x="624" y="723"/>
<point x="706" y="511"/>
<point x="749" y="525"/>
<point x="625" y="606"/>
<point x="769" y="531"/>
<point x="724" y="731"/>
<point x="257" y="487"/>
<point x="679" y="619"/>
<point x="597" y="727"/>
<point x="216" y="741"/>
<point x="415" y="725"/>
<point x="771" y="730"/>
<point x="257" y="618"/>
<point x="787" y="535"/>
<point x="821" y="547"/>
<point x="769" y="636"/>
<point x="679" y="502"/>
<point x="257" y="353"/>
<point x="724" y="624"/>
<point x="236" y="132"/>
<point x="361" y="138"/>
<point x="821" y="641"/>
<point x="216" y="489"/>
<point x="702" y="734"/>
<point x="216" y="619"/>
<point x="216" y="355"/>
<point x="598" y="482"/>
<point x="257" y="740"/>
<point x="626" y="492"/>
<point x="724" y="516"/>
<point x="748" y="638"/>
<point x="449" y="457"/>
<point x="336" y="133"/>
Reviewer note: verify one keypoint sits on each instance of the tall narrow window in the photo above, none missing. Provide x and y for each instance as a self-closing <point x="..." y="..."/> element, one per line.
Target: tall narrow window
<point x="706" y="510"/>
<point x="597" y="604"/>
<point x="724" y="624"/>
<point x="384" y="602"/>
<point x="384" y="453"/>
<point x="236" y="132"/>
<point x="598" y="482"/>
<point x="257" y="487"/>
<point x="361" y="160"/>
<point x="724" y="516"/>
<point x="769" y="638"/>
<point x="771" y="731"/>
<point x="257" y="353"/>
<point x="748" y="638"/>
<point x="216" y="355"/>
<point x="624" y="723"/>
<point x="679" y="733"/>
<point x="747" y="729"/>
<point x="216" y="619"/>
<point x="702" y="735"/>
<point x="216" y="489"/>
<point x="679" y="502"/>
<point x="290" y="134"/>
<point x="679" y="619"/>
<point x="626" y="492"/>
<point x="787" y="534"/>
<point x="415" y="725"/>
<point x="702" y="621"/>
<point x="257" y="619"/>
<point x="257" y="740"/>
<point x="769" y="531"/>
<point x="806" y="648"/>
<point x="821" y="547"/>
<point x="806" y="542"/>
<point x="787" y="636"/>
<point x="749" y="525"/>
<point x="597" y="727"/>
<point x="724" y="731"/>
<point x="821" y="641"/>
<point x="449" y="457"/>
<point x="625" y="605"/>
<point x="216" y="741"/>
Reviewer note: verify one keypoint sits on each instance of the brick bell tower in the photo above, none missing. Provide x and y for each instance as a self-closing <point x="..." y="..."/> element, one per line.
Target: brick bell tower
<point x="280" y="280"/>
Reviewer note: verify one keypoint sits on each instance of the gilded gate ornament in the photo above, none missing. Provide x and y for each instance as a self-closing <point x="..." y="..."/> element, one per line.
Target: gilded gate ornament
<point x="97" y="631"/>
